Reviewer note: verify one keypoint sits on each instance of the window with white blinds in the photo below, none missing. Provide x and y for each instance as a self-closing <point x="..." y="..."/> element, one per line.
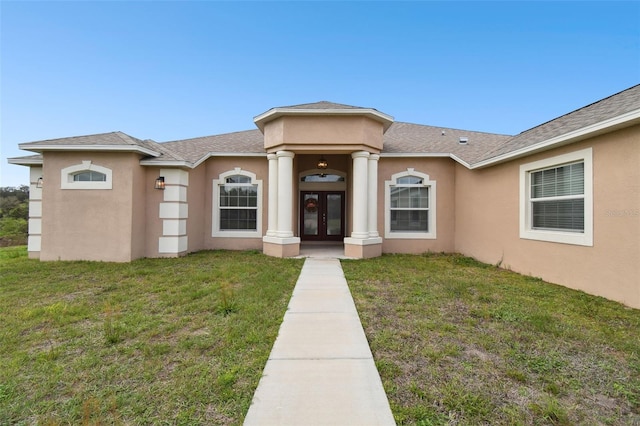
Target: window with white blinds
<point x="556" y="199"/>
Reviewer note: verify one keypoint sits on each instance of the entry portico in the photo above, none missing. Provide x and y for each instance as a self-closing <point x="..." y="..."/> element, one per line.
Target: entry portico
<point x="328" y="130"/>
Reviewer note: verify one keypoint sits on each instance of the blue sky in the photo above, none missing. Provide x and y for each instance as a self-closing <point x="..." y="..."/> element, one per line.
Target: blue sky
<point x="175" y="70"/>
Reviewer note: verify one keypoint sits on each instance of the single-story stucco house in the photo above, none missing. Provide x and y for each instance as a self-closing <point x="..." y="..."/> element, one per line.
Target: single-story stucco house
<point x="560" y="201"/>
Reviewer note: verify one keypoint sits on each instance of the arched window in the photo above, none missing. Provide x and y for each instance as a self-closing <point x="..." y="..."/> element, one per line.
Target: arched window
<point x="89" y="176"/>
<point x="237" y="205"/>
<point x="410" y="206"/>
<point x="86" y="176"/>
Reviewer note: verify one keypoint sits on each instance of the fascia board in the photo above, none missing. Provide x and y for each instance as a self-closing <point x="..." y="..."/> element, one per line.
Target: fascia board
<point x="25" y="161"/>
<point x="274" y="113"/>
<point x="625" y="119"/>
<point x="425" y="155"/>
<point x="105" y="148"/>
<point x="182" y="163"/>
<point x="167" y="163"/>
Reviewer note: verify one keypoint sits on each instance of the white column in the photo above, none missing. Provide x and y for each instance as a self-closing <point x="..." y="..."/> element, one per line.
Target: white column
<point x="373" y="196"/>
<point x="360" y="194"/>
<point x="174" y="212"/>
<point x="34" y="241"/>
<point x="285" y="194"/>
<point x="273" y="195"/>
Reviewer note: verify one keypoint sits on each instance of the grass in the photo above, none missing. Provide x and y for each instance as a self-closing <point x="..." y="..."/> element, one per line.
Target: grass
<point x="463" y="343"/>
<point x="184" y="341"/>
<point x="155" y="341"/>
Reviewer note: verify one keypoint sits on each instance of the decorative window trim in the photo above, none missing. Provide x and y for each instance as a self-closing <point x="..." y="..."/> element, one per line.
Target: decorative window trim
<point x="584" y="238"/>
<point x="340" y="185"/>
<point x="426" y="182"/>
<point x="216" y="231"/>
<point x="67" y="174"/>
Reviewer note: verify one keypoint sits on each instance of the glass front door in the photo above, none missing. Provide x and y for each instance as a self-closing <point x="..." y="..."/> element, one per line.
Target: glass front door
<point x="322" y="215"/>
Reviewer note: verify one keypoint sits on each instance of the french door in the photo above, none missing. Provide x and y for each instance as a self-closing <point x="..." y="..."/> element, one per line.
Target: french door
<point x="322" y="215"/>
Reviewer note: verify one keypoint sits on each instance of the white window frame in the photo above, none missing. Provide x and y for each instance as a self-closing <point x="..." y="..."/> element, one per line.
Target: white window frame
<point x="216" y="231"/>
<point x="584" y="238"/>
<point x="426" y="182"/>
<point x="67" y="174"/>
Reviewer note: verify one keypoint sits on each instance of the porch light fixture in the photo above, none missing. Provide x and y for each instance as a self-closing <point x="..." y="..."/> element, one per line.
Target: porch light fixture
<point x="322" y="163"/>
<point x="39" y="182"/>
<point x="159" y="183"/>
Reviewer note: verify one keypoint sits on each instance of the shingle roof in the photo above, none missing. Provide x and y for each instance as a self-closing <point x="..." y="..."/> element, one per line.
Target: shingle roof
<point x="111" y="138"/>
<point x="613" y="106"/>
<point x="323" y="105"/>
<point x="402" y="138"/>
<point x="192" y="150"/>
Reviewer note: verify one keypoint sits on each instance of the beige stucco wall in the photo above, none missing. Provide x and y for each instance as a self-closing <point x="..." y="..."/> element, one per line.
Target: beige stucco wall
<point x="139" y="211"/>
<point x="487" y="221"/>
<point x="92" y="224"/>
<point x="441" y="170"/>
<point x="198" y="209"/>
<point x="212" y="170"/>
<point x="323" y="134"/>
<point x="153" y="222"/>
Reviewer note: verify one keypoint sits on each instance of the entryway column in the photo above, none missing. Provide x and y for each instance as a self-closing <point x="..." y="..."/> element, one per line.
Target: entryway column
<point x="373" y="196"/>
<point x="272" y="213"/>
<point x="364" y="241"/>
<point x="279" y="241"/>
<point x="360" y="194"/>
<point x="285" y="193"/>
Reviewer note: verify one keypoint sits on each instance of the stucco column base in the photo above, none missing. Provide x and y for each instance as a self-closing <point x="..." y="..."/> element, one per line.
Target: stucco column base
<point x="281" y="247"/>
<point x="363" y="248"/>
<point x="33" y="254"/>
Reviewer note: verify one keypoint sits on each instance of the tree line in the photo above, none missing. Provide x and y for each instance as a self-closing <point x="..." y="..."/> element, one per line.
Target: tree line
<point x="14" y="215"/>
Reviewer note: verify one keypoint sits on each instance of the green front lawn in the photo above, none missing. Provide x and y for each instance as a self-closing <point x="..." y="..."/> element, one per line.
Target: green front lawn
<point x="173" y="341"/>
<point x="184" y="341"/>
<point x="463" y="343"/>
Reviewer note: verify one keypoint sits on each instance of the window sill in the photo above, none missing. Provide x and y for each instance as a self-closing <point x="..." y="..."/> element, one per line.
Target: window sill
<point x="573" y="238"/>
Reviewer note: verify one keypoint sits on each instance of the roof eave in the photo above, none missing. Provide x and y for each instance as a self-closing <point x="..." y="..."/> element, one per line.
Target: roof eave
<point x="106" y="148"/>
<point x="424" y="155"/>
<point x="25" y="161"/>
<point x="625" y="120"/>
<point x="274" y="113"/>
<point x="193" y="165"/>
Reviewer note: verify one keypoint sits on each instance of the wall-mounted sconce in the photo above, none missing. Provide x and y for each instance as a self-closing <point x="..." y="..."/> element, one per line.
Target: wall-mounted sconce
<point x="159" y="183"/>
<point x="39" y="182"/>
<point x="322" y="163"/>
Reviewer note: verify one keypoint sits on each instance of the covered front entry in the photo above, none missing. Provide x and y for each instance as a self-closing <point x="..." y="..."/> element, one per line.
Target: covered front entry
<point x="322" y="215"/>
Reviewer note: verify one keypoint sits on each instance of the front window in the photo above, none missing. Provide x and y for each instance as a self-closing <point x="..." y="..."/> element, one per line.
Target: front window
<point x="237" y="205"/>
<point x="410" y="212"/>
<point x="89" y="176"/>
<point x="86" y="176"/>
<point x="556" y="199"/>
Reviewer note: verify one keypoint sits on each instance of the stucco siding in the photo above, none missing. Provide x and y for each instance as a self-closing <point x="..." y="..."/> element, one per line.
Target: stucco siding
<point x="196" y="229"/>
<point x="440" y="170"/>
<point x="487" y="221"/>
<point x="153" y="223"/>
<point x="139" y="210"/>
<point x="323" y="134"/>
<point x="88" y="224"/>
<point x="214" y="167"/>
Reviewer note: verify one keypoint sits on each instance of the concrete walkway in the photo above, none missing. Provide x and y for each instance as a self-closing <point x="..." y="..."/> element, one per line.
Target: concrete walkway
<point x="320" y="370"/>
